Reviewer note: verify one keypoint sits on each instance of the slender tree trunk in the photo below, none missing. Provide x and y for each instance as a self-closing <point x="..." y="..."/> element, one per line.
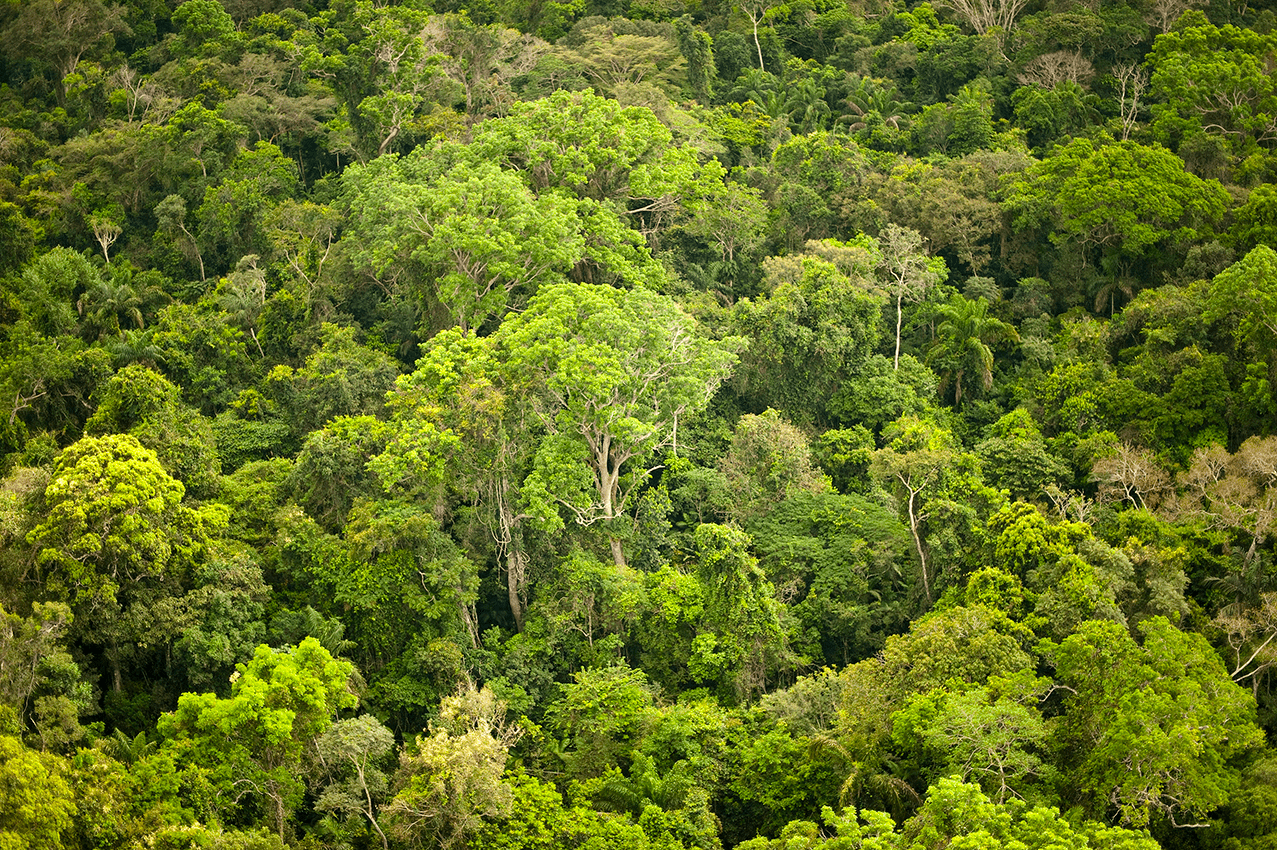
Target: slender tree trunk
<point x="917" y="542"/>
<point x="373" y="820"/>
<point x="198" y="254"/>
<point x="510" y="545"/>
<point x="469" y="618"/>
<point x="755" y="17"/>
<point x="899" y="320"/>
<point x="276" y="795"/>
<point x="113" y="658"/>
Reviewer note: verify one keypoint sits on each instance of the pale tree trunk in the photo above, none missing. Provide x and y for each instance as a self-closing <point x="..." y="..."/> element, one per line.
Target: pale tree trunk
<point x="618" y="556"/>
<point x="756" y="11"/>
<point x="899" y="320"/>
<point x="510" y="547"/>
<point x="276" y="795"/>
<point x="914" y="523"/>
<point x="113" y="658"/>
<point x="608" y="472"/>
<point x="370" y="811"/>
<point x="470" y="619"/>
<point x="516" y="567"/>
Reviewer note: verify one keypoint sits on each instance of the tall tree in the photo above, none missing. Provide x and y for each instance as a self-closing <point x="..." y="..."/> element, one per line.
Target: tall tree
<point x="611" y="372"/>
<point x="1121" y="199"/>
<point x="115" y="535"/>
<point x="1215" y="80"/>
<point x="1245" y="294"/>
<point x="60" y="32"/>
<point x="455" y="421"/>
<point x="476" y="231"/>
<point x="1151" y="729"/>
<point x="917" y="464"/>
<point x="908" y="271"/>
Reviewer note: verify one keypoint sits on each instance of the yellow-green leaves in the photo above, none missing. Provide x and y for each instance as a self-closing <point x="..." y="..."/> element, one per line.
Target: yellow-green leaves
<point x="114" y="517"/>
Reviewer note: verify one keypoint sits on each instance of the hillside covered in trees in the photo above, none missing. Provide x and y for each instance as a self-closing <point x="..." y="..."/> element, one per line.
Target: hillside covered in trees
<point x="647" y="424"/>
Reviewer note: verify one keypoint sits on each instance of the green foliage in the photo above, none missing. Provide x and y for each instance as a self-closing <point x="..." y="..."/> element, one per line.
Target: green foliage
<point x="227" y="226"/>
<point x="36" y="803"/>
<point x="221" y="621"/>
<point x="330" y="474"/>
<point x="1243" y="292"/>
<point x="813" y="328"/>
<point x="141" y="402"/>
<point x="1255" y="222"/>
<point x="1015" y="457"/>
<point x="991" y="734"/>
<point x="280" y="703"/>
<point x="939" y="491"/>
<point x="744" y="641"/>
<point x="449" y="781"/>
<point x="601" y="717"/>
<point x="445" y="228"/>
<point x="1166" y="707"/>
<point x="846" y="564"/>
<point x="1216" y="80"/>
<point x="1122" y="198"/>
<point x="969" y="644"/>
<point x="539" y="819"/>
<point x="203" y="353"/>
<point x="769" y="460"/>
<point x="113" y="515"/>
<point x="963" y="348"/>
<point x="116" y="541"/>
<point x="958" y="814"/>
<point x="611" y="373"/>
<point x="766" y="777"/>
<point x="351" y="755"/>
<point x="230" y="220"/>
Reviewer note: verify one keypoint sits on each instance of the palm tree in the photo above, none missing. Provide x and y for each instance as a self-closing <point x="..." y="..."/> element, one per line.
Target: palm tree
<point x="874" y="97"/>
<point x="104" y="303"/>
<point x="1109" y="288"/>
<point x="134" y="347"/>
<point x="806" y="106"/>
<point x="964" y="344"/>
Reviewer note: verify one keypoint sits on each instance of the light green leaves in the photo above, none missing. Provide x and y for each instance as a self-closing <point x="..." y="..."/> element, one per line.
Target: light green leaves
<point x="477" y="231"/>
<point x="611" y="371"/>
<point x="1124" y="197"/>
<point x="114" y="516"/>
<point x="1155" y="726"/>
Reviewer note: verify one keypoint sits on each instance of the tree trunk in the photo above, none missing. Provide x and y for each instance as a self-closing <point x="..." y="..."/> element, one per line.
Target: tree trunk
<point x="516" y="571"/>
<point x="510" y="544"/>
<point x="609" y="475"/>
<point x="276" y="795"/>
<point x="917" y="542"/>
<point x="899" y="319"/>
<point x="117" y="678"/>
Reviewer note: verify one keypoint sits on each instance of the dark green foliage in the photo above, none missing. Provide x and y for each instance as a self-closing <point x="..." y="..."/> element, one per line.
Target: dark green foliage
<point x="845" y="564"/>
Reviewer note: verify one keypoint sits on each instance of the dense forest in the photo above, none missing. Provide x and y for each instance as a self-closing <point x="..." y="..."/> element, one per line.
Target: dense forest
<point x="646" y="424"/>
